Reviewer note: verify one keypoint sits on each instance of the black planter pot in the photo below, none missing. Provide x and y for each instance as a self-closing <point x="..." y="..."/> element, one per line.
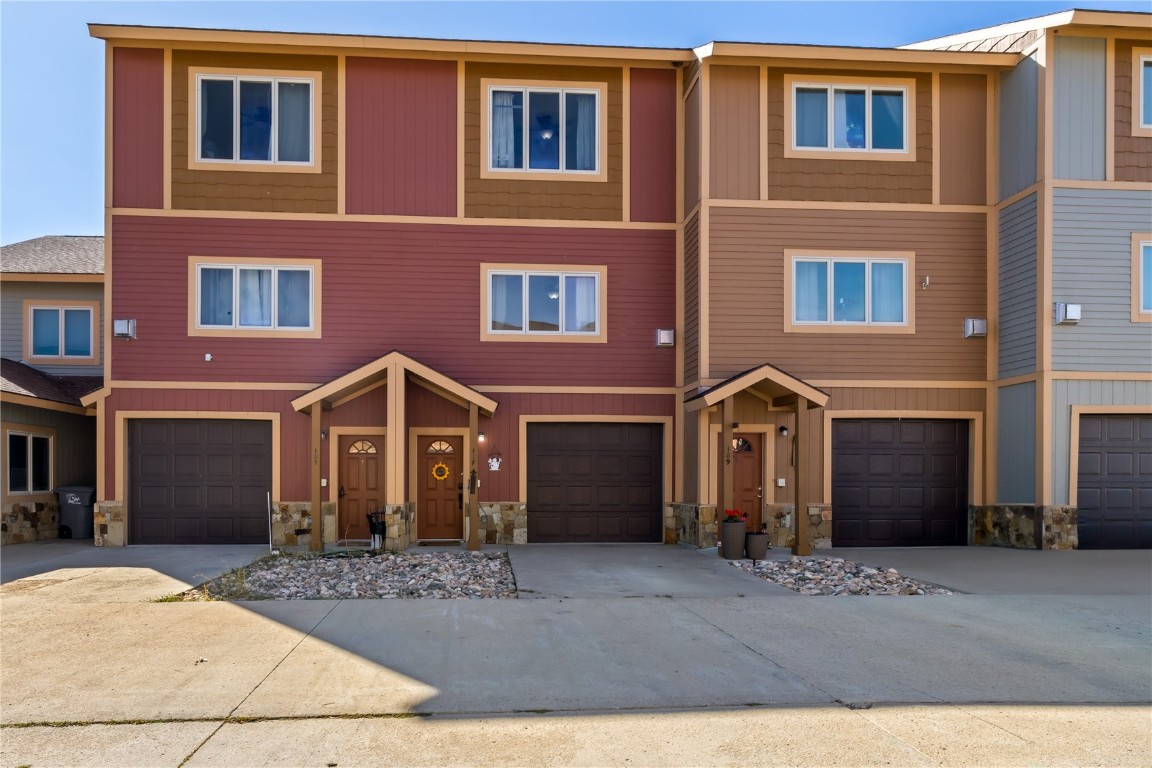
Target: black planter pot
<point x="756" y="545"/>
<point x="732" y="540"/>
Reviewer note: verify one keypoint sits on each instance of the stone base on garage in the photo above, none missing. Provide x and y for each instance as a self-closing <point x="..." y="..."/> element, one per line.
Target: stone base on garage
<point x="32" y="521"/>
<point x="503" y="522"/>
<point x="1023" y="526"/>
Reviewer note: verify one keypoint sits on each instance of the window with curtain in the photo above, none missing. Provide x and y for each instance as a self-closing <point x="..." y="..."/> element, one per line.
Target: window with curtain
<point x="552" y="303"/>
<point x="1146" y="91"/>
<point x="849" y="117"/>
<point x="61" y="332"/>
<point x="29" y="463"/>
<point x="254" y="119"/>
<point x="849" y="291"/>
<point x="252" y="297"/>
<point x="544" y="129"/>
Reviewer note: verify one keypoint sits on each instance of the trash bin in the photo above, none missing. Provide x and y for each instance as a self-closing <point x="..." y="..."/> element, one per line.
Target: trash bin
<point x="76" y="511"/>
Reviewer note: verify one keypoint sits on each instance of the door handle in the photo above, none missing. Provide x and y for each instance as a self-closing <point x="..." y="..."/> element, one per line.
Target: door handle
<point x="760" y="492"/>
<point x="340" y="493"/>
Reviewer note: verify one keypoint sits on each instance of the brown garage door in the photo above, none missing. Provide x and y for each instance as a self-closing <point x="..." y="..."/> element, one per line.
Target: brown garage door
<point x="1115" y="482"/>
<point x="595" y="482"/>
<point x="899" y="482"/>
<point x="197" y="481"/>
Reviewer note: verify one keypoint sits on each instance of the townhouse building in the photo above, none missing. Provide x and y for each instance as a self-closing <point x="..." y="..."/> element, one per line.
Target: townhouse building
<point x="509" y="293"/>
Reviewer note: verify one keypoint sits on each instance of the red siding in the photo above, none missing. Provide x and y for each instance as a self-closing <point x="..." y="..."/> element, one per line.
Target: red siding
<point x="138" y="128"/>
<point x="653" y="164"/>
<point x="401" y="137"/>
<point x="413" y="288"/>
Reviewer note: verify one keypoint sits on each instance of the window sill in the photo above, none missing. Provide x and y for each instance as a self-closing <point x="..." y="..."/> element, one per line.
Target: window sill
<point x="516" y="175"/>
<point x="849" y="329"/>
<point x="261" y="333"/>
<point x="208" y="165"/>
<point x="558" y="338"/>
<point x="34" y="360"/>
<point x="850" y="154"/>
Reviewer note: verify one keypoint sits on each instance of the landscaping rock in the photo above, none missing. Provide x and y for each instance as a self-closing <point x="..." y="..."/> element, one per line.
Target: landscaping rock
<point x="835" y="576"/>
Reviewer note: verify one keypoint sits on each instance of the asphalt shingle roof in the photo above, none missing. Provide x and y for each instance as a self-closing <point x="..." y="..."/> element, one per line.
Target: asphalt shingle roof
<point x="55" y="254"/>
<point x="20" y="379"/>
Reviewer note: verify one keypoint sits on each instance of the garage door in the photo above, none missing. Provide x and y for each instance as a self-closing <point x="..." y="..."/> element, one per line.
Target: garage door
<point x="899" y="482"/>
<point x="199" y="481"/>
<point x="1115" y="482"/>
<point x="595" y="482"/>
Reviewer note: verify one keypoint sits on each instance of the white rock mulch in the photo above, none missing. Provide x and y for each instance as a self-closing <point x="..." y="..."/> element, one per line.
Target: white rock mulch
<point x="366" y="575"/>
<point x="835" y="576"/>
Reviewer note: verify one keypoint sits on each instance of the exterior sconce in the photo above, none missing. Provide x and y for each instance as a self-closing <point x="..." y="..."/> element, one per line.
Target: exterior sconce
<point x="783" y="431"/>
<point x="975" y="327"/>
<point x="124" y="329"/>
<point x="323" y="434"/>
<point x="481" y="437"/>
<point x="1067" y="314"/>
<point x="665" y="337"/>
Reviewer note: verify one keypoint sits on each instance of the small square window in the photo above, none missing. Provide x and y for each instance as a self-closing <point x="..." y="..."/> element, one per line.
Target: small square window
<point x="60" y="334"/>
<point x="29" y="463"/>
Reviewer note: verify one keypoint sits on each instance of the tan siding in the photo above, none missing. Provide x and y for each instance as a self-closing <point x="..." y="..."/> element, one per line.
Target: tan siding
<point x="746" y="259"/>
<point x="872" y="181"/>
<point x="525" y="199"/>
<point x="963" y="139"/>
<point x="1133" y="153"/>
<point x="691" y="468"/>
<point x="735" y="133"/>
<point x="692" y="299"/>
<point x="246" y="190"/>
<point x="692" y="149"/>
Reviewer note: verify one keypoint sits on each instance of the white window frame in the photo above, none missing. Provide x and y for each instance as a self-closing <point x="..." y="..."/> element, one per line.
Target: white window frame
<point x="275" y="270"/>
<point x="28" y="436"/>
<point x="61" y="352"/>
<point x="905" y="259"/>
<point x="236" y="79"/>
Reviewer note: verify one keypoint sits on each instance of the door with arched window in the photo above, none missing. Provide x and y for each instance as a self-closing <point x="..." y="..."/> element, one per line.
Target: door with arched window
<point x="361" y="484"/>
<point x="439" y="496"/>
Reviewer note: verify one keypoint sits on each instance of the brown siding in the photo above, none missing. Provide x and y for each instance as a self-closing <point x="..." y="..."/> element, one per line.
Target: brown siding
<point x="746" y="259"/>
<point x="692" y="299"/>
<point x="735" y="133"/>
<point x="411" y="287"/>
<point x="692" y="149"/>
<point x="652" y="175"/>
<point x="963" y="139"/>
<point x="401" y="137"/>
<point x="524" y="199"/>
<point x="1133" y="153"/>
<point x="248" y="190"/>
<point x="871" y="181"/>
<point x="138" y="128"/>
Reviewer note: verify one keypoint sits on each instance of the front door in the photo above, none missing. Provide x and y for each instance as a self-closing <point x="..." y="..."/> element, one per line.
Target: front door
<point x="361" y="484"/>
<point x="748" y="477"/>
<point x="439" y="499"/>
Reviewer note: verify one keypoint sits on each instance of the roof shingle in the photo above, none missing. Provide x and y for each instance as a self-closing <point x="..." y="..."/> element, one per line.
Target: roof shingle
<point x="19" y="379"/>
<point x="55" y="254"/>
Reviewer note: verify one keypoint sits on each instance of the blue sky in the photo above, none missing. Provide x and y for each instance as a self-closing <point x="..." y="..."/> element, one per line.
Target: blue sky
<point x="52" y="82"/>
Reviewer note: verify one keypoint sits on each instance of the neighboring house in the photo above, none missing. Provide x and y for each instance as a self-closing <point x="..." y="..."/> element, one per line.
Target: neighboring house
<point x="51" y="294"/>
<point x="536" y="300"/>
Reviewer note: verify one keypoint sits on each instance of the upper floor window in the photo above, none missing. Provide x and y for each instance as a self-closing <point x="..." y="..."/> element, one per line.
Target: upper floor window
<point x="29" y="463"/>
<point x="865" y="291"/>
<point x="538" y="303"/>
<point x="1142" y="92"/>
<point x="554" y="130"/>
<point x="254" y="297"/>
<point x="60" y="332"/>
<point x="850" y="118"/>
<point x="1142" y="277"/>
<point x="255" y="120"/>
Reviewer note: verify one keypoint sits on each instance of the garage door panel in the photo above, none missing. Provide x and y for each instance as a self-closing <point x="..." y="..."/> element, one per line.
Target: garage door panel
<point x="912" y="497"/>
<point x="154" y="434"/>
<point x="1114" y="482"/>
<point x="912" y="464"/>
<point x="855" y="465"/>
<point x="641" y="496"/>
<point x="183" y="465"/>
<point x="155" y="466"/>
<point x="880" y="495"/>
<point x="1123" y="464"/>
<point x="222" y="466"/>
<point x="913" y="432"/>
<point x="910" y="530"/>
<point x="880" y="530"/>
<point x="881" y="464"/>
<point x="880" y="432"/>
<point x="220" y="496"/>
<point x="609" y="496"/>
<point x="187" y="496"/>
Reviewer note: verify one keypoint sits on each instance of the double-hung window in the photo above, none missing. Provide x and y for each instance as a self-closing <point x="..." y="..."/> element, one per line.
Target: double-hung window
<point x="255" y="120"/>
<point x="255" y="296"/>
<point x="545" y="129"/>
<point x="60" y="334"/>
<point x="29" y="462"/>
<point x="1142" y="92"/>
<point x="542" y="303"/>
<point x="849" y="118"/>
<point x="850" y="292"/>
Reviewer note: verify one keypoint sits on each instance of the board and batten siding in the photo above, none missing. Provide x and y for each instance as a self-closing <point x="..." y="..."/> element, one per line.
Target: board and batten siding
<point x="747" y="303"/>
<point x="1017" y="265"/>
<point x="1092" y="266"/>
<point x="692" y="118"/>
<point x="75" y="442"/>
<point x="692" y="299"/>
<point x="1016" y="444"/>
<point x="12" y="320"/>
<point x="1079" y="111"/>
<point x="652" y="135"/>
<point x="1018" y="105"/>
<point x="734" y="121"/>
<point x="1067" y="393"/>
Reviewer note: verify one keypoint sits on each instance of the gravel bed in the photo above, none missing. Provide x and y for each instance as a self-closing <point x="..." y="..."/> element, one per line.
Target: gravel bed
<point x="365" y="576"/>
<point x="836" y="576"/>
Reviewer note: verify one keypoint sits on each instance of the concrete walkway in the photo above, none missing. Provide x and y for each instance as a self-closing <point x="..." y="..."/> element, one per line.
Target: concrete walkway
<point x="642" y="665"/>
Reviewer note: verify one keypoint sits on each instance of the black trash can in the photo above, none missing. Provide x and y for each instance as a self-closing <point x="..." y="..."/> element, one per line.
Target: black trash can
<point x="76" y="511"/>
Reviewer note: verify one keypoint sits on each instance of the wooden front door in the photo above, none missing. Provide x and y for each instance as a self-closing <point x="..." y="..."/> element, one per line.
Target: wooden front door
<point x="748" y="477"/>
<point x="361" y="484"/>
<point x="439" y="495"/>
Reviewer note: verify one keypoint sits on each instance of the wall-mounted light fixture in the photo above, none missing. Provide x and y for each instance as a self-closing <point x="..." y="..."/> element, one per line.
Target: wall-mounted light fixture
<point x="665" y="337"/>
<point x="323" y="434"/>
<point x="1067" y="314"/>
<point x="975" y="327"/>
<point x="783" y="431"/>
<point x="124" y="329"/>
<point x="481" y="437"/>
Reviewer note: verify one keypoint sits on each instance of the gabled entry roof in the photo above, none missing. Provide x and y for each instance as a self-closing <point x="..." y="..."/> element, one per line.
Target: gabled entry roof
<point x="326" y="395"/>
<point x="766" y="380"/>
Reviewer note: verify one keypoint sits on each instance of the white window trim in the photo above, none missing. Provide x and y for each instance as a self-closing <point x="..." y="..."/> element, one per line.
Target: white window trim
<point x="600" y="90"/>
<point x="905" y="258"/>
<point x="315" y="293"/>
<point x="598" y="272"/>
<point x="92" y="358"/>
<point x="907" y="86"/>
<point x="28" y="435"/>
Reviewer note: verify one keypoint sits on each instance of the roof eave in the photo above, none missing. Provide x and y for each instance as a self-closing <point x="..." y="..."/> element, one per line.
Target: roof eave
<point x="1078" y="17"/>
<point x="857" y="55"/>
